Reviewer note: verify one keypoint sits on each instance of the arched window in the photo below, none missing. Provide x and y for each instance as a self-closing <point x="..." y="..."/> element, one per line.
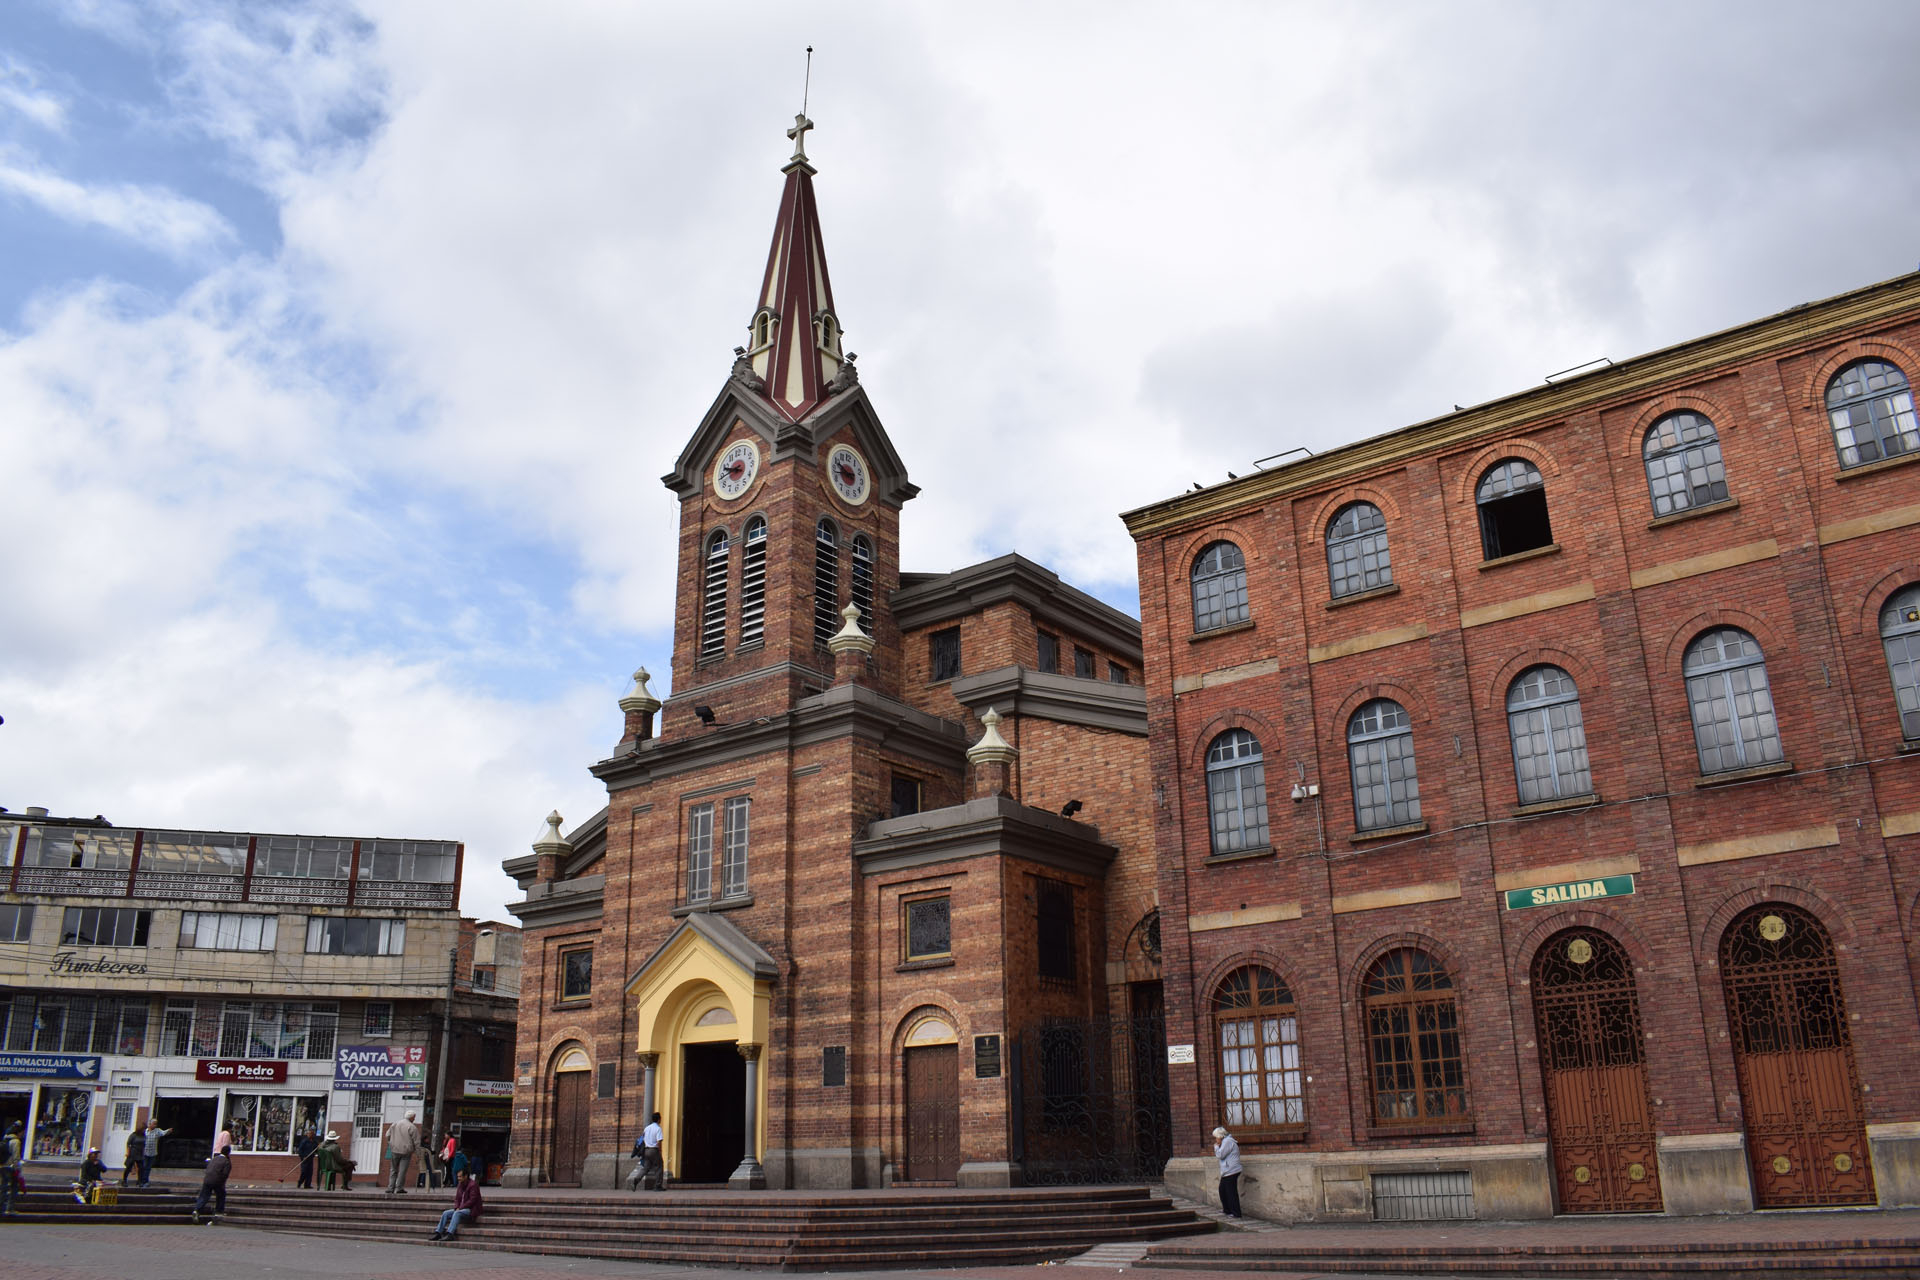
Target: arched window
<point x="1900" y="632"/>
<point x="762" y="328"/>
<point x="713" y="604"/>
<point x="828" y="333"/>
<point x="1549" y="736"/>
<point x="1871" y="408"/>
<point x="1237" y="792"/>
<point x="1257" y="1030"/>
<point x="1219" y="587"/>
<point x="860" y="589"/>
<point x="1357" y="550"/>
<point x="826" y="582"/>
<point x="753" y="583"/>
<point x="1386" y="786"/>
<point x="1732" y="704"/>
<point x="1513" y="509"/>
<point x="1682" y="453"/>
<point x="1415" y="1067"/>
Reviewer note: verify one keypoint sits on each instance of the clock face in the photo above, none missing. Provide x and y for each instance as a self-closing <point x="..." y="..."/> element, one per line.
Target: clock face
<point x="735" y="469"/>
<point x="848" y="471"/>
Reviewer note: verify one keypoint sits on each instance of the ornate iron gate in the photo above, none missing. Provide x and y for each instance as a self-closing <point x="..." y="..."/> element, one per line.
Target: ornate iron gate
<point x="1806" y="1125"/>
<point x="1593" y="1064"/>
<point x="1090" y="1099"/>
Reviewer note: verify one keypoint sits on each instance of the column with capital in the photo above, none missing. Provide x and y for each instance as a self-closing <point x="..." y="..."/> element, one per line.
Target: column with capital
<point x="649" y="1063"/>
<point x="750" y="1176"/>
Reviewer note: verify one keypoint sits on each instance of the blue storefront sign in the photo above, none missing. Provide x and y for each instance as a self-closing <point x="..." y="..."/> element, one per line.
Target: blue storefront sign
<point x="379" y="1066"/>
<point x="50" y="1066"/>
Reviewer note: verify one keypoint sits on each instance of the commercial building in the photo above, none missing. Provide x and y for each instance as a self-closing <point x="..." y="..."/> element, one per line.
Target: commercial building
<point x="1540" y="829"/>
<point x="256" y="983"/>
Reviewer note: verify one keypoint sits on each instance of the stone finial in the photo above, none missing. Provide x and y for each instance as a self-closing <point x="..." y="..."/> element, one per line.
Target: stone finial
<point x="850" y="637"/>
<point x="551" y="849"/>
<point x="992" y="748"/>
<point x="638" y="697"/>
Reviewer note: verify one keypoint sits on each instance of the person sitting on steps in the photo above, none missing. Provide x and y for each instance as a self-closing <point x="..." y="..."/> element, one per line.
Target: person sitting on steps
<point x="466" y="1207"/>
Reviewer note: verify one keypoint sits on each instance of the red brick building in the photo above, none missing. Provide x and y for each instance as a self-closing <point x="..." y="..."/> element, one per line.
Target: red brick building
<point x="875" y="903"/>
<point x="1541" y="820"/>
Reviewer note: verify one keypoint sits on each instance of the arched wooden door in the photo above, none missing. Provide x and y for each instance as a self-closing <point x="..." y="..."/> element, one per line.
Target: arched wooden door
<point x="572" y="1101"/>
<point x="1805" y="1119"/>
<point x="933" y="1113"/>
<point x="1593" y="1064"/>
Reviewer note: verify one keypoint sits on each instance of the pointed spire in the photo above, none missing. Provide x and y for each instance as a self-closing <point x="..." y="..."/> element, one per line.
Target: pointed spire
<point x="794" y="339"/>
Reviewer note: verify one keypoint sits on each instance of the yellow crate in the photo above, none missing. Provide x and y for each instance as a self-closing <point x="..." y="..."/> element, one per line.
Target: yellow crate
<point x="103" y="1195"/>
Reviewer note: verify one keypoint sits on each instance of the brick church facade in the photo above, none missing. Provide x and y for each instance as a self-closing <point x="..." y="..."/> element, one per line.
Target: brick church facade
<point x="881" y="878"/>
<point x="1540" y="830"/>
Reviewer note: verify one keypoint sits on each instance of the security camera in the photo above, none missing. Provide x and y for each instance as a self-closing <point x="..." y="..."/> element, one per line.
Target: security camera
<point x="1299" y="792"/>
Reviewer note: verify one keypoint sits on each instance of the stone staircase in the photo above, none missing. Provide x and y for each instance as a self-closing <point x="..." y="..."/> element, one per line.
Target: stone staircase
<point x="154" y="1207"/>
<point x="791" y="1231"/>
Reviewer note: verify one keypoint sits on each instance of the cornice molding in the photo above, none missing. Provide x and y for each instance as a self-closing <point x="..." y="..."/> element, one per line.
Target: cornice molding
<point x="848" y="409"/>
<point x="996" y="826"/>
<point x="944" y="597"/>
<point x="1016" y="691"/>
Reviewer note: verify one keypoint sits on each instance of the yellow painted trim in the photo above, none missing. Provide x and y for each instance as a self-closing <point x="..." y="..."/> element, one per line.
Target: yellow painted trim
<point x="1878" y="522"/>
<point x="1694" y="855"/>
<point x="1674" y="570"/>
<point x="1561" y="872"/>
<point x="1900" y="824"/>
<point x="1525" y="605"/>
<point x="1367" y="643"/>
<point x="1404" y="896"/>
<point x="1226" y="675"/>
<point x="1210" y="920"/>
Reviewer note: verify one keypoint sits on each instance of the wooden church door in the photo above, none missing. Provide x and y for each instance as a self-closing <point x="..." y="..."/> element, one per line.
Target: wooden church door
<point x="571" y="1102"/>
<point x="933" y="1113"/>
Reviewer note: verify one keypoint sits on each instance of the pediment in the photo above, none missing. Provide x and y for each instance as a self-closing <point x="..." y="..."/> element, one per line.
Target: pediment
<point x="716" y="936"/>
<point x="849" y="410"/>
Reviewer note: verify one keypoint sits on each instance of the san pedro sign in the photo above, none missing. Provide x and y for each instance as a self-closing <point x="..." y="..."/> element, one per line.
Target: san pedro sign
<point x="1559" y="895"/>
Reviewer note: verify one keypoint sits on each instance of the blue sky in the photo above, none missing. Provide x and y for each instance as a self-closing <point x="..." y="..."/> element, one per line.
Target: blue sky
<point x="342" y="348"/>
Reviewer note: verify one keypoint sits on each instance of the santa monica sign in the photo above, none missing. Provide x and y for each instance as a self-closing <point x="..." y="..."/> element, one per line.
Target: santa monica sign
<point x="1554" y="895"/>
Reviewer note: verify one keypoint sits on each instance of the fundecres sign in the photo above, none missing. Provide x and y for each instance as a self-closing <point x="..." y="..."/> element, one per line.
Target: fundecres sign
<point x="376" y="1066"/>
<point x="239" y="1070"/>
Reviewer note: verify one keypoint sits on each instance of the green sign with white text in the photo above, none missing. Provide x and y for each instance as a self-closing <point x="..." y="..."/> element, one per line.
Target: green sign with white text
<point x="1556" y="895"/>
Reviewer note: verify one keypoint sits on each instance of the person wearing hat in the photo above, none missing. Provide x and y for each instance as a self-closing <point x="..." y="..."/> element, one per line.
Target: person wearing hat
<point x="1227" y="1152"/>
<point x="91" y="1172"/>
<point x="333" y="1160"/>
<point x="9" y="1168"/>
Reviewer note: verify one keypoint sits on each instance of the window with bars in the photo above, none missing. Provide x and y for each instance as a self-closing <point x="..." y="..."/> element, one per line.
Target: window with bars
<point x="1082" y="663"/>
<point x="733" y="855"/>
<point x="1416" y="1069"/>
<point x="1900" y="634"/>
<point x="376" y="1019"/>
<point x="1684" y="470"/>
<point x="753" y="583"/>
<point x="1386" y="784"/>
<point x="713" y="598"/>
<point x="1117" y="674"/>
<point x="1257" y="1030"/>
<point x="826" y="582"/>
<point x="1049" y="657"/>
<point x="860" y="584"/>
<point x="1512" y="498"/>
<point x="700" y="853"/>
<point x="1219" y="587"/>
<point x="1054" y="933"/>
<point x="1731" y="702"/>
<point x="176" y="1029"/>
<point x="1357" y="558"/>
<point x="74" y="1024"/>
<point x="943" y="654"/>
<point x="1236" y="792"/>
<point x="929" y="928"/>
<point x="104" y="927"/>
<point x="1549" y="736"/>
<point x="1870" y="405"/>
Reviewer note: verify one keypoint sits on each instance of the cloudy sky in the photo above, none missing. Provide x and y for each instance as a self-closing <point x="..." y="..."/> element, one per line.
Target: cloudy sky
<point x="342" y="347"/>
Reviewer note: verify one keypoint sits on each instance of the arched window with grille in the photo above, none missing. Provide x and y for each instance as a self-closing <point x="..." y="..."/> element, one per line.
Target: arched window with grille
<point x="1237" y="792"/>
<point x="1416" y="1069"/>
<point x="753" y="583"/>
<point x="826" y="582"/>
<point x="860" y="586"/>
<point x="1257" y="1031"/>
<point x="1219" y="587"/>
<point x="1900" y="633"/>
<point x="713" y="604"/>
<point x="1684" y="470"/>
<point x="1549" y="736"/>
<point x="1357" y="550"/>
<point x="1870" y="405"/>
<point x="1512" y="498"/>
<point x="1386" y="784"/>
<point x="1731" y="702"/>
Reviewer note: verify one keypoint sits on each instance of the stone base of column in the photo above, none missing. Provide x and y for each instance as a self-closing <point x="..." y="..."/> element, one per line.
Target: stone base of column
<point x="600" y="1172"/>
<point x="990" y="1173"/>
<point x="748" y="1177"/>
<point x="516" y="1176"/>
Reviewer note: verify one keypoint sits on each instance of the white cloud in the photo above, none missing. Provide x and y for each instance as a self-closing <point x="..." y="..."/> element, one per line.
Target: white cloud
<point x="20" y="92"/>
<point x="152" y="216"/>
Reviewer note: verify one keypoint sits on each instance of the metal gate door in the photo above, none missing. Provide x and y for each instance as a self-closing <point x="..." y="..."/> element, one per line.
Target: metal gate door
<point x="1090" y="1099"/>
<point x="1593" y="1064"/>
<point x="1806" y="1126"/>
<point x="570" y="1090"/>
<point x="933" y="1113"/>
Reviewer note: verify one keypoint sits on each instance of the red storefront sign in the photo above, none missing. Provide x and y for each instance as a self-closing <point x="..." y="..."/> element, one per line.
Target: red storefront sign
<point x="239" y="1071"/>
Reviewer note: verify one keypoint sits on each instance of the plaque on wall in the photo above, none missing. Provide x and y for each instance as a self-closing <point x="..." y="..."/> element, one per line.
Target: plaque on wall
<point x="833" y="1065"/>
<point x="986" y="1057"/>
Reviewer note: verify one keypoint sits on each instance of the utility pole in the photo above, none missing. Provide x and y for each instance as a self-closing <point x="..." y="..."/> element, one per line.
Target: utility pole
<point x="446" y="1050"/>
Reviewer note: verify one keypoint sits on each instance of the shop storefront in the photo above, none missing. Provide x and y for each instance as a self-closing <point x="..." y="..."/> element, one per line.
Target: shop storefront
<point x="383" y="1082"/>
<point x="53" y="1096"/>
<point x="481" y="1120"/>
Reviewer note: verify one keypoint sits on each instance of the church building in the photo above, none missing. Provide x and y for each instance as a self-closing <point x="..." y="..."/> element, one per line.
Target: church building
<point x="874" y="902"/>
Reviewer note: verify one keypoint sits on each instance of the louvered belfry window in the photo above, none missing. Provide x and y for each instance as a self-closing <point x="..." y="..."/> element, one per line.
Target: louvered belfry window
<point x="713" y="605"/>
<point x="826" y="582"/>
<point x="753" y="584"/>
<point x="860" y="588"/>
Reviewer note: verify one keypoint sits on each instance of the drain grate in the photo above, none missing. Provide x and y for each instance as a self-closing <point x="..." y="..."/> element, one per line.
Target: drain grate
<point x="1419" y="1197"/>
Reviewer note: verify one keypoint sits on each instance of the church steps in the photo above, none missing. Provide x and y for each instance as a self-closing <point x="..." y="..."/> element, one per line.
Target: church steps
<point x="1817" y="1259"/>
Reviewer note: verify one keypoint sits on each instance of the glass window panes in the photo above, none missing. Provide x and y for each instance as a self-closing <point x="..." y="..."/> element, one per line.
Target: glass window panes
<point x="1512" y="500"/>
<point x="211" y="931"/>
<point x="1386" y="785"/>
<point x="1054" y="949"/>
<point x="1416" y="1066"/>
<point x="1219" y="587"/>
<point x="303" y="857"/>
<point x="78" y="847"/>
<point x="409" y="861"/>
<point x="576" y="973"/>
<point x="1082" y="663"/>
<point x="1549" y="736"/>
<point x="204" y="853"/>
<point x="1357" y="557"/>
<point x="700" y="853"/>
<point x="1236" y="792"/>
<point x="1682" y="453"/>
<point x="1049" y="653"/>
<point x="1900" y="633"/>
<point x="929" y="928"/>
<point x="16" y="921"/>
<point x="733" y="860"/>
<point x="943" y="654"/>
<point x="104" y="927"/>
<point x="355" y="936"/>
<point x="1731" y="702"/>
<point x="377" y="1018"/>
<point x="1871" y="408"/>
<point x="1258" y="1037"/>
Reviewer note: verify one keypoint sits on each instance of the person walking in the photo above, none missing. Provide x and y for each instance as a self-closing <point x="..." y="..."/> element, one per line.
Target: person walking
<point x="402" y="1141"/>
<point x="213" y="1183"/>
<point x="1227" y="1152"/>
<point x="150" y="1148"/>
<point x="305" y="1149"/>
<point x="9" y="1168"/>
<point x="652" y="1170"/>
<point x="466" y="1206"/>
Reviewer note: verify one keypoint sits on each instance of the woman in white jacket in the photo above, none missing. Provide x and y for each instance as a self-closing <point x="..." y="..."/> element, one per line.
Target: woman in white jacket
<point x="1227" y="1152"/>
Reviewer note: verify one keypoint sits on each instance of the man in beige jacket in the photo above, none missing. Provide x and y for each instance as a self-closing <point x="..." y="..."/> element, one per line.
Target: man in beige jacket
<point x="402" y="1141"/>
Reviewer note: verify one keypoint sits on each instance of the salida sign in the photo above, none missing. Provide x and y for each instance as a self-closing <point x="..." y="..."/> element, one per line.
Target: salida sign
<point x="379" y="1066"/>
<point x="238" y="1071"/>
